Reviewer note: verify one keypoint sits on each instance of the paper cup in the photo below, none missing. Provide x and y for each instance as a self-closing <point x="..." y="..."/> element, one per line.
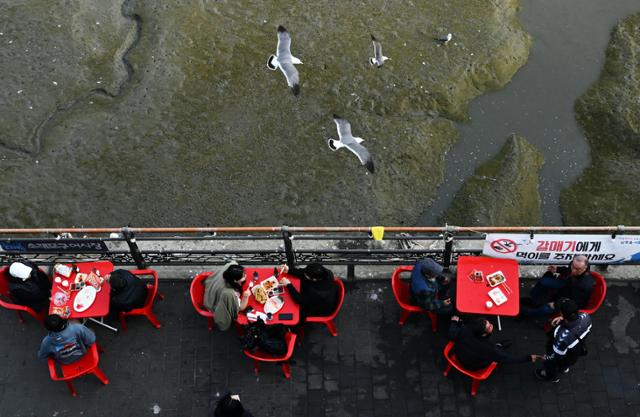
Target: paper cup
<point x="488" y="304"/>
<point x="65" y="283"/>
<point x="57" y="280"/>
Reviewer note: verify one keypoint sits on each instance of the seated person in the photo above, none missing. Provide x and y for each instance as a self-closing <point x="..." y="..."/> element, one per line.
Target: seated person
<point x="319" y="294"/>
<point x="475" y="351"/>
<point x="222" y="294"/>
<point x="574" y="282"/>
<point x="430" y="290"/>
<point x="66" y="342"/>
<point x="29" y="285"/>
<point x="127" y="291"/>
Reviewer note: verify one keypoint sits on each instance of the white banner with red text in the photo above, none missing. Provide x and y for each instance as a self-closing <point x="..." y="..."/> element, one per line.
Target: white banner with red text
<point x="559" y="249"/>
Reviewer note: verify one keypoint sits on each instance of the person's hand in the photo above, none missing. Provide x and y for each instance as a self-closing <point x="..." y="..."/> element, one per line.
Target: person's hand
<point x="246" y="293"/>
<point x="455" y="318"/>
<point x="284" y="281"/>
<point x="537" y="358"/>
<point x="284" y="269"/>
<point x="552" y="305"/>
<point x="552" y="269"/>
<point x="556" y="321"/>
<point x="447" y="301"/>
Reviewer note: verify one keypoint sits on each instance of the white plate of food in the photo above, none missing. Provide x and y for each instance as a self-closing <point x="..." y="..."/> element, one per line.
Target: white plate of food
<point x="84" y="299"/>
<point x="60" y="299"/>
<point x="273" y="305"/>
<point x="260" y="294"/>
<point x="496" y="278"/>
<point x="269" y="283"/>
<point x="497" y="296"/>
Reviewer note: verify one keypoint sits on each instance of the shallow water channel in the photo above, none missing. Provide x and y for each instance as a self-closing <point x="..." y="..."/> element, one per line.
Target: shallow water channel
<point x="569" y="41"/>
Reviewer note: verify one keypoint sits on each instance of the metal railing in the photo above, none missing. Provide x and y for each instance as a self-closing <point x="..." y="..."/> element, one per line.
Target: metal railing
<point x="348" y="246"/>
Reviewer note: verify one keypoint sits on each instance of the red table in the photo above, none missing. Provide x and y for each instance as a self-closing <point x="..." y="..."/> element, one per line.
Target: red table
<point x="100" y="306"/>
<point x="289" y="306"/>
<point x="471" y="297"/>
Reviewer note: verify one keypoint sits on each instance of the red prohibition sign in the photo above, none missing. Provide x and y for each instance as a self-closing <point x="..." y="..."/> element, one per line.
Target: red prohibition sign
<point x="504" y="246"/>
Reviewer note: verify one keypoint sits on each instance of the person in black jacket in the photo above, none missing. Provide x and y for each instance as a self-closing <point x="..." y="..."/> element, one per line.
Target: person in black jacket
<point x="29" y="285"/>
<point x="574" y="282"/>
<point x="318" y="296"/>
<point x="229" y="405"/>
<point x="566" y="343"/>
<point x="473" y="348"/>
<point x="127" y="291"/>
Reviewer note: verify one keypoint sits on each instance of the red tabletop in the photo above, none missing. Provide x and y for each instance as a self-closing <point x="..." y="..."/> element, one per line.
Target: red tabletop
<point x="100" y="306"/>
<point x="471" y="297"/>
<point x="289" y="306"/>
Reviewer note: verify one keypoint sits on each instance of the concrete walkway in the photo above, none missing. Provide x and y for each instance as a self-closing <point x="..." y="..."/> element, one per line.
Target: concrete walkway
<point x="373" y="368"/>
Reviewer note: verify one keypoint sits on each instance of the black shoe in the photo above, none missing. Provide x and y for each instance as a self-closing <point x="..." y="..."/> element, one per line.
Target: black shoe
<point x="565" y="371"/>
<point x="504" y="344"/>
<point x="542" y="375"/>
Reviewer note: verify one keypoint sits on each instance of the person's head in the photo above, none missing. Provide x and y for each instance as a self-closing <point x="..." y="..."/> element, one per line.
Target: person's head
<point x="430" y="269"/>
<point x="315" y="272"/>
<point x="579" y="265"/>
<point x="234" y="276"/>
<point x="229" y="406"/>
<point x="568" y="309"/>
<point x="481" y="327"/>
<point x="20" y="271"/>
<point x="117" y="280"/>
<point x="54" y="323"/>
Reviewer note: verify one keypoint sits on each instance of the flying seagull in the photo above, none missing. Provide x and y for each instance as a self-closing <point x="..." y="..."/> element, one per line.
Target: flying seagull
<point x="285" y="61"/>
<point x="352" y="143"/>
<point x="444" y="39"/>
<point x="377" y="59"/>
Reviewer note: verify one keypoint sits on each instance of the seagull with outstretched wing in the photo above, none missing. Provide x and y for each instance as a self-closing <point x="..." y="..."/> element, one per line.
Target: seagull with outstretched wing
<point x="377" y="59"/>
<point x="285" y="61"/>
<point x="347" y="140"/>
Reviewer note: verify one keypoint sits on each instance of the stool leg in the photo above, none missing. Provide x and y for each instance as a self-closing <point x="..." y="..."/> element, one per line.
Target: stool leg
<point x="255" y="367"/>
<point x="434" y="321"/>
<point x="101" y="376"/>
<point x="153" y="319"/>
<point x="20" y="317"/>
<point x="403" y="317"/>
<point x="447" y="370"/>
<point x="71" y="388"/>
<point x="286" y="370"/>
<point x="332" y="327"/>
<point x="123" y="324"/>
<point x="474" y="387"/>
<point x="210" y="323"/>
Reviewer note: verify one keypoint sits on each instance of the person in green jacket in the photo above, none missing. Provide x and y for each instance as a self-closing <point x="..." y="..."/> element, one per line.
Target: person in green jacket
<point x="222" y="294"/>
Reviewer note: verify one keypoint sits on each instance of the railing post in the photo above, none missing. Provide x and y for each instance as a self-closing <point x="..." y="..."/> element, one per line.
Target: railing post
<point x="288" y="246"/>
<point x="351" y="272"/>
<point x="448" y="249"/>
<point x="133" y="248"/>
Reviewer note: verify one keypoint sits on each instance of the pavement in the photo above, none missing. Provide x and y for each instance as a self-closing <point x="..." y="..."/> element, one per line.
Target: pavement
<point x="372" y="368"/>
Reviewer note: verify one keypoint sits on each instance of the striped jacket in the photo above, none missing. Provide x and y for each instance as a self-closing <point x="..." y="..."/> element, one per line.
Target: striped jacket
<point x="568" y="335"/>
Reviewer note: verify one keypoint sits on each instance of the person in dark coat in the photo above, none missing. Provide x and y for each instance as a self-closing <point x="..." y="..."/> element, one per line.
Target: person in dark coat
<point x="229" y="405"/>
<point x="574" y="282"/>
<point x="29" y="285"/>
<point x="127" y="291"/>
<point x="474" y="349"/>
<point x="318" y="296"/>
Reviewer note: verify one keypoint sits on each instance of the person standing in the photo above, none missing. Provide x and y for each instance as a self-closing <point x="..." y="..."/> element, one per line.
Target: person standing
<point x="223" y="294"/>
<point x="29" y="285"/>
<point x="567" y="342"/>
<point x="66" y="342"/>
